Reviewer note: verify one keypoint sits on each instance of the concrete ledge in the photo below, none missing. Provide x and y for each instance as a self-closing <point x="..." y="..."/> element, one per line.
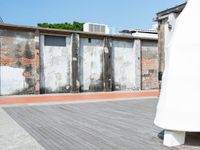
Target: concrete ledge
<point x="174" y="138"/>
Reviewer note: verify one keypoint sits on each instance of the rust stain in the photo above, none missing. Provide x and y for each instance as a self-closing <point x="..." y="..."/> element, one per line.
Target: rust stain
<point x="10" y="61"/>
<point x="7" y="61"/>
<point x="148" y="64"/>
<point x="26" y="61"/>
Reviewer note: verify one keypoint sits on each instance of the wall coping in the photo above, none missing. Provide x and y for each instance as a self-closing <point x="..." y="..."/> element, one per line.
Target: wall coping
<point x="68" y="32"/>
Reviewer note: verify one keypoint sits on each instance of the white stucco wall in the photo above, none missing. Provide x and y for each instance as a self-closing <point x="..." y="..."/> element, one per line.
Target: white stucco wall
<point x="91" y="63"/>
<point x="169" y="33"/>
<point x="123" y="65"/>
<point x="56" y="67"/>
<point x="12" y="80"/>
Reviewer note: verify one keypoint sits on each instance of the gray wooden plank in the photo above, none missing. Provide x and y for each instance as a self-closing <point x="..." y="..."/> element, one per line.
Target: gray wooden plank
<point x="116" y="125"/>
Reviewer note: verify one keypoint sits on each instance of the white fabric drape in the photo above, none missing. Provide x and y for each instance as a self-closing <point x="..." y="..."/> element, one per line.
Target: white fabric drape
<point x="179" y="103"/>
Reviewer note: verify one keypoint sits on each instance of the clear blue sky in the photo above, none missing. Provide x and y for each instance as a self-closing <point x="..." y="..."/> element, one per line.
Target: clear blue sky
<point x="118" y="13"/>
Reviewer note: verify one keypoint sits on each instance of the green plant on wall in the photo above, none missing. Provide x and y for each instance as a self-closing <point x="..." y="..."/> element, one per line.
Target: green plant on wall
<point x="76" y="26"/>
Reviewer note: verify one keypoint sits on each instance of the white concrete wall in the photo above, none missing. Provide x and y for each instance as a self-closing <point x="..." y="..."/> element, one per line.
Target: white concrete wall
<point x="91" y="67"/>
<point x="12" y="80"/>
<point x="169" y="32"/>
<point x="123" y="65"/>
<point x="56" y="67"/>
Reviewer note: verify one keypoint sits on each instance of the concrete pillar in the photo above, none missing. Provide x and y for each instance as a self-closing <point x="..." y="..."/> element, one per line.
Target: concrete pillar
<point x="161" y="51"/>
<point x="75" y="63"/>
<point x="107" y="64"/>
<point x="41" y="45"/>
<point x="174" y="138"/>
<point x="37" y="63"/>
<point x="166" y="29"/>
<point x="0" y="56"/>
<point x="137" y="50"/>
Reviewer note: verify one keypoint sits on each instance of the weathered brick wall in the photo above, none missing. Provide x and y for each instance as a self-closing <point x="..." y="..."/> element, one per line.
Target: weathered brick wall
<point x="19" y="62"/>
<point x="86" y="63"/>
<point x="149" y="65"/>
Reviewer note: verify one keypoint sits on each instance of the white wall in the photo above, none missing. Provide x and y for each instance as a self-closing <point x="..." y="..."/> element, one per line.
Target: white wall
<point x="91" y="63"/>
<point x="168" y="33"/>
<point x="12" y="80"/>
<point x="123" y="65"/>
<point x="56" y="67"/>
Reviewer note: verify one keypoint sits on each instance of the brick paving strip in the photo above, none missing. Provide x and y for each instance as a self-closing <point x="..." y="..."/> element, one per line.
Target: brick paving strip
<point x="75" y="97"/>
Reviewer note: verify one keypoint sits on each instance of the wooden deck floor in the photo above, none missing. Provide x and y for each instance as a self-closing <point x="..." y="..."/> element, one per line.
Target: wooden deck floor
<point x="119" y="125"/>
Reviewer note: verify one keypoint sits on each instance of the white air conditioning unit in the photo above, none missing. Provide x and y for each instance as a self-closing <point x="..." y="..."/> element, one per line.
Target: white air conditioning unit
<point x="96" y="28"/>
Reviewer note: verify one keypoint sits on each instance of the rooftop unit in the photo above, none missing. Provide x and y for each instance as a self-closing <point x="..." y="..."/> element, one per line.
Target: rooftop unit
<point x="96" y="28"/>
<point x="141" y="33"/>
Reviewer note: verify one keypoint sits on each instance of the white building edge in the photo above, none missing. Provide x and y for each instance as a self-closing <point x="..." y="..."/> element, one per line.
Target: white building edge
<point x="178" y="107"/>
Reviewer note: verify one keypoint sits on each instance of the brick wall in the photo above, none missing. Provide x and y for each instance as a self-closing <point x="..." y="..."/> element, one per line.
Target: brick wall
<point x="87" y="63"/>
<point x="19" y="63"/>
<point x="149" y="65"/>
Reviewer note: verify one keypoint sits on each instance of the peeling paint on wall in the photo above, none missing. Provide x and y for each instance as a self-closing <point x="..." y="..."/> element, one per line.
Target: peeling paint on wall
<point x="91" y="52"/>
<point x="55" y="67"/>
<point x="18" y="52"/>
<point x="123" y="65"/>
<point x="75" y="63"/>
<point x="12" y="80"/>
